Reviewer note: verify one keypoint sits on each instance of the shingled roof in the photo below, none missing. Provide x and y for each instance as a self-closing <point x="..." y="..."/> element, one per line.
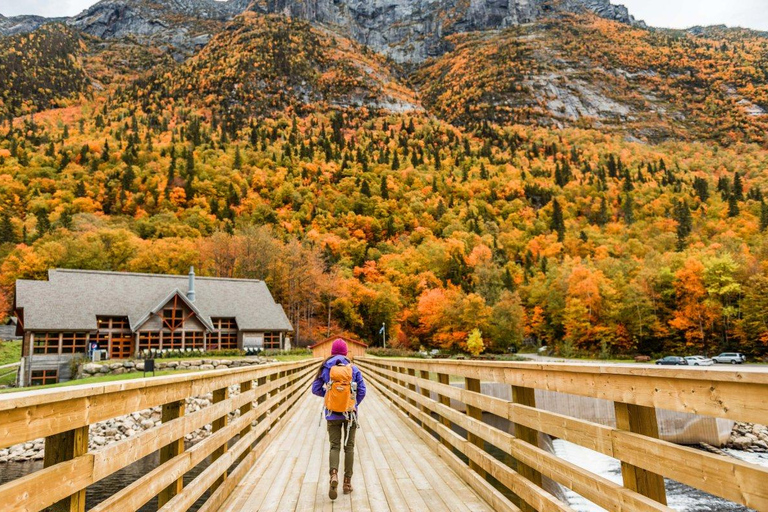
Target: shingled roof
<point x="72" y="299"/>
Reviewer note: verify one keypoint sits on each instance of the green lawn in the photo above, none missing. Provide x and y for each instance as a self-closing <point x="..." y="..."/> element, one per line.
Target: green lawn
<point x="10" y="352"/>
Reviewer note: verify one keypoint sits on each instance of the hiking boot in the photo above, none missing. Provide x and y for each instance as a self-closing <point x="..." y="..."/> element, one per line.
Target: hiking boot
<point x="333" y="493"/>
<point x="347" y="484"/>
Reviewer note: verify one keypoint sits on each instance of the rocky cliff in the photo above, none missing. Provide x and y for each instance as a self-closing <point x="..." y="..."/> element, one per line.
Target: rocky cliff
<point x="410" y="31"/>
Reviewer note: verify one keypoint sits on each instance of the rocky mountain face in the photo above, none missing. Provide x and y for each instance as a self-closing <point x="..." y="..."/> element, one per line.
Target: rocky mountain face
<point x="181" y="26"/>
<point x="408" y="31"/>
<point x="411" y="31"/>
<point x="22" y="24"/>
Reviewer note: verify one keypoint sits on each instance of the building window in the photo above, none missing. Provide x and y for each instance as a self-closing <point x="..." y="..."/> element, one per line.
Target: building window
<point x="149" y="340"/>
<point x="73" y="342"/>
<point x="225" y="335"/>
<point x="46" y="343"/>
<point x="173" y="317"/>
<point x="173" y="340"/>
<point x="194" y="339"/>
<point x="43" y="377"/>
<point x="271" y="340"/>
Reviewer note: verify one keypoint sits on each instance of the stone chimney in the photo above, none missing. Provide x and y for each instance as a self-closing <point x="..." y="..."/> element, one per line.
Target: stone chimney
<point x="191" y="292"/>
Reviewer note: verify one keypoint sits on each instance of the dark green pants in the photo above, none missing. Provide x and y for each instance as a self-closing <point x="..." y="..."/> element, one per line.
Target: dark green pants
<point x="335" y="428"/>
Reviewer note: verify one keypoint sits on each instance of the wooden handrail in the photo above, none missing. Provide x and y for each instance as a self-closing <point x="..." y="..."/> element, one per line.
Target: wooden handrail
<point x="636" y="391"/>
<point x="63" y="417"/>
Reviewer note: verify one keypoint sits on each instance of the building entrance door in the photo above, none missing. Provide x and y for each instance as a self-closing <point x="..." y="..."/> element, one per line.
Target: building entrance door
<point x="121" y="347"/>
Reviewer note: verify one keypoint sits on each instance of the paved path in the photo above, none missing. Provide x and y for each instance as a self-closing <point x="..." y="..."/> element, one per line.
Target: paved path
<point x="394" y="469"/>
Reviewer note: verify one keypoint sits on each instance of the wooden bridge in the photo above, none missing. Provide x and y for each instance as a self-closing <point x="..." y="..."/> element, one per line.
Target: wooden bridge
<point x="416" y="450"/>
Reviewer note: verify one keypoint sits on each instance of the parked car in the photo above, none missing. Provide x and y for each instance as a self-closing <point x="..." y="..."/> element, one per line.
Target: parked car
<point x="699" y="361"/>
<point x="730" y="358"/>
<point x="673" y="361"/>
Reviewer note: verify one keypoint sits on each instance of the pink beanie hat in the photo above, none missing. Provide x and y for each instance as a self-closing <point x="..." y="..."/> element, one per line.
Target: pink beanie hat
<point x="339" y="347"/>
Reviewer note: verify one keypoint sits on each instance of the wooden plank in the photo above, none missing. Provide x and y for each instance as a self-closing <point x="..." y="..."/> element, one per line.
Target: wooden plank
<point x="245" y="387"/>
<point x="522" y="487"/>
<point x="740" y="395"/>
<point x="61" y="448"/>
<point x="593" y="487"/>
<point x="641" y="420"/>
<point x="527" y="397"/>
<point x="170" y="412"/>
<point x="144" y="488"/>
<point x="473" y="385"/>
<point x="31" y="415"/>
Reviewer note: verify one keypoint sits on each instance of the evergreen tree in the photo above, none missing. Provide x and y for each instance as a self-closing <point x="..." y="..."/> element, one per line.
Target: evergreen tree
<point x="684" y="224"/>
<point x="43" y="222"/>
<point x="395" y="162"/>
<point x="738" y="187"/>
<point x="603" y="216"/>
<point x="763" y="215"/>
<point x="365" y="189"/>
<point x="733" y="206"/>
<point x="628" y="210"/>
<point x="238" y="163"/>
<point x="557" y="223"/>
<point x="7" y="234"/>
<point x="384" y="187"/>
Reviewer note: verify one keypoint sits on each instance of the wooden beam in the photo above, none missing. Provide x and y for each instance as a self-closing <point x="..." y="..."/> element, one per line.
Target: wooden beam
<point x="527" y="397"/>
<point x="473" y="412"/>
<point x="244" y="388"/>
<point x="171" y="412"/>
<point x="219" y="395"/>
<point x="61" y="448"/>
<point x="641" y="420"/>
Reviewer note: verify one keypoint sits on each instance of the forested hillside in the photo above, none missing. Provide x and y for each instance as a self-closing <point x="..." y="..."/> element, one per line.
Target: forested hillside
<point x="287" y="153"/>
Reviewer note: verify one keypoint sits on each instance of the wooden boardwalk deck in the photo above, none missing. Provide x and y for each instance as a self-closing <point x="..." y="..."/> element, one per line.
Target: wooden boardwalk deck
<point x="394" y="469"/>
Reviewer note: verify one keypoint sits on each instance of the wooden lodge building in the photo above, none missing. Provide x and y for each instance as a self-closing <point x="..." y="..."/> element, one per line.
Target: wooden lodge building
<point x="127" y="313"/>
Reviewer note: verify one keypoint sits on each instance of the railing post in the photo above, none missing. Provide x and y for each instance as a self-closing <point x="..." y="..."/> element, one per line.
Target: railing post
<point x="244" y="409"/>
<point x="219" y="395"/>
<point x="171" y="411"/>
<point x="526" y="396"/>
<point x="443" y="378"/>
<point x="474" y="412"/>
<point x="641" y="420"/>
<point x="62" y="447"/>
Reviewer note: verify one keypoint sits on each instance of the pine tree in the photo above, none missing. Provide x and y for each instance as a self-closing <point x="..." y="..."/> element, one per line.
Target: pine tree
<point x="628" y="210"/>
<point x="395" y="162"/>
<point x="238" y="163"/>
<point x="557" y="222"/>
<point x="684" y="224"/>
<point x="763" y="215"/>
<point x="43" y="222"/>
<point x="738" y="187"/>
<point x="603" y="216"/>
<point x="384" y="187"/>
<point x="7" y="233"/>
<point x="733" y="206"/>
<point x="365" y="189"/>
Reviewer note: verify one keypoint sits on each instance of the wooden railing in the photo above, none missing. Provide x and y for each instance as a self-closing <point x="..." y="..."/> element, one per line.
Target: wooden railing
<point x="63" y="415"/>
<point x="422" y="392"/>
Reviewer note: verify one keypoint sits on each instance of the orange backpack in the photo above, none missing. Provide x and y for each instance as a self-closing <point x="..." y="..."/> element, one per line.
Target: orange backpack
<point x="340" y="395"/>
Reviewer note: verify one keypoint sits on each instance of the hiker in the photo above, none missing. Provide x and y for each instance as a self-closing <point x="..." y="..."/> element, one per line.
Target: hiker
<point x="341" y="383"/>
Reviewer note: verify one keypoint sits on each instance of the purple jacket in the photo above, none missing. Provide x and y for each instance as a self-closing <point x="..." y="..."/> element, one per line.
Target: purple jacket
<point x="319" y="390"/>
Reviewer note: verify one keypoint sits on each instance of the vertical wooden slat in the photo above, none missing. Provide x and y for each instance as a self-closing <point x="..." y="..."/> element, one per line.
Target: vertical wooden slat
<point x="443" y="378"/>
<point x="63" y="447"/>
<point x="526" y="396"/>
<point x="245" y="387"/>
<point x="219" y="395"/>
<point x="474" y="412"/>
<point x="641" y="420"/>
<point x="169" y="412"/>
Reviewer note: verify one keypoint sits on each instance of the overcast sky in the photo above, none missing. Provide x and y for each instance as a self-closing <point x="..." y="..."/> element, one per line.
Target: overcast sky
<point x="658" y="13"/>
